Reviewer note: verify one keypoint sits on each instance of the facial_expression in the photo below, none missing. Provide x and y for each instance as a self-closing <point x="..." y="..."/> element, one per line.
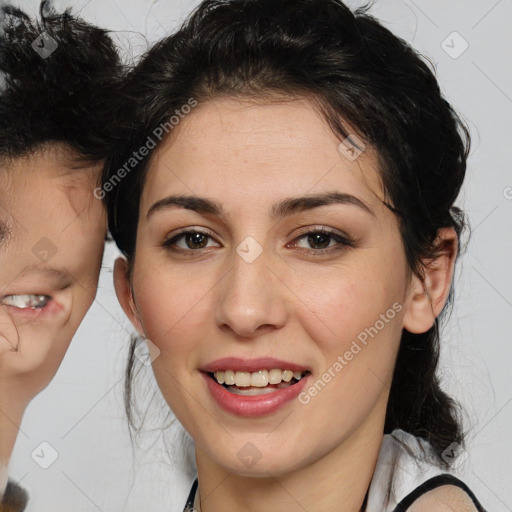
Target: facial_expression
<point x="276" y="275"/>
<point x="53" y="233"/>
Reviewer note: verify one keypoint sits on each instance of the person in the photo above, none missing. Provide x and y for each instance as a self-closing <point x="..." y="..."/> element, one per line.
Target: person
<point x="59" y="77"/>
<point x="283" y="194"/>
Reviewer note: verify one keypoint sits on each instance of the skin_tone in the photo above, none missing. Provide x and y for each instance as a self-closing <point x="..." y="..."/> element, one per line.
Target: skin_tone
<point x="302" y="300"/>
<point x="51" y="245"/>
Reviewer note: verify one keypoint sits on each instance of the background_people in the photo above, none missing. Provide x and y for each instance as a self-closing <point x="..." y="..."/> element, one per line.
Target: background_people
<point x="59" y="82"/>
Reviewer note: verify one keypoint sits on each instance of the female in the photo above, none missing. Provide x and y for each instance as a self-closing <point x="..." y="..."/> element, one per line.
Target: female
<point x="283" y="194"/>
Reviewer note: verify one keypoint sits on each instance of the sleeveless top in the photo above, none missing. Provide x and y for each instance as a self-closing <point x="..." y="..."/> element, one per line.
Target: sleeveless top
<point x="405" y="470"/>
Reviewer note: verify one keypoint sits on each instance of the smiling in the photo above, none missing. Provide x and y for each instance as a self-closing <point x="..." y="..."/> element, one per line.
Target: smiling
<point x="271" y="390"/>
<point x="259" y="379"/>
<point x="26" y="301"/>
